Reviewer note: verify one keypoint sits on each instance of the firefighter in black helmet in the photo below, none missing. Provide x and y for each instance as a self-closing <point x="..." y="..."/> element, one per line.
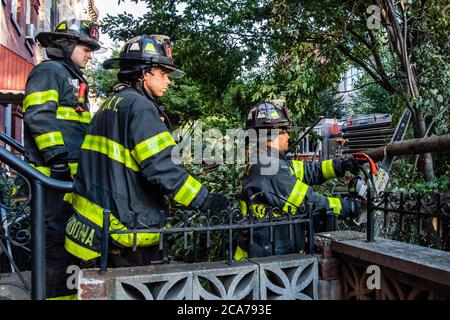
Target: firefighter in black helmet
<point x="126" y="164"/>
<point x="56" y="115"/>
<point x="286" y="186"/>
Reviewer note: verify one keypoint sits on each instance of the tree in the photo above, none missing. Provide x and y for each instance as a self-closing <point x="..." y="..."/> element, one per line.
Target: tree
<point x="415" y="34"/>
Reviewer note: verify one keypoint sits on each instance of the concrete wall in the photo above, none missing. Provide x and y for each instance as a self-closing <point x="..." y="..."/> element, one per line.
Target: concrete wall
<point x="289" y="277"/>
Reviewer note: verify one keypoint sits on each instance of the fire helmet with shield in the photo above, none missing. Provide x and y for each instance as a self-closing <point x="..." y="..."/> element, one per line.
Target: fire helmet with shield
<point x="84" y="31"/>
<point x="266" y="115"/>
<point x="143" y="52"/>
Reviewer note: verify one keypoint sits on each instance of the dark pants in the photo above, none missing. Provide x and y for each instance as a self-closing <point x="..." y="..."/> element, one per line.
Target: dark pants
<point x="57" y="259"/>
<point x="125" y="257"/>
<point x="284" y="240"/>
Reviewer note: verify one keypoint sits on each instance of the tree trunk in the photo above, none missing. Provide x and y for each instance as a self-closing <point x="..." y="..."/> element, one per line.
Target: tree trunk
<point x="427" y="159"/>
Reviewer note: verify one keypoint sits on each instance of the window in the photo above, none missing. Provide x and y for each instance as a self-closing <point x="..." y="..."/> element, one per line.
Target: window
<point x="15" y="10"/>
<point x="16" y="13"/>
<point x="28" y="12"/>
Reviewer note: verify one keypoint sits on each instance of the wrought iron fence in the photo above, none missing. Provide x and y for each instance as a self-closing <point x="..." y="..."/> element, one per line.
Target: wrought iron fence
<point x="419" y="208"/>
<point x="23" y="220"/>
<point x="194" y="224"/>
<point x="37" y="183"/>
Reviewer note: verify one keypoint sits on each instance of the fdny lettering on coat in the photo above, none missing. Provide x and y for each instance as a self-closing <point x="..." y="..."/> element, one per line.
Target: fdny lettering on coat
<point x="111" y="103"/>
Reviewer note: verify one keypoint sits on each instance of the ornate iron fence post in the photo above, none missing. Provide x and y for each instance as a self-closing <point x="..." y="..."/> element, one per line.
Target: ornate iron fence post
<point x="37" y="241"/>
<point x="311" y="228"/>
<point x="105" y="242"/>
<point x="370" y="217"/>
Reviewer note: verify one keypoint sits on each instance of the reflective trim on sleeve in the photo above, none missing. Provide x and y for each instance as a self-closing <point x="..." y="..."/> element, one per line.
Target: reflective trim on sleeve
<point x="111" y="149"/>
<point x="190" y="188"/>
<point x="240" y="254"/>
<point x="42" y="169"/>
<point x="69" y="113"/>
<point x="328" y="169"/>
<point x="46" y="170"/>
<point x="259" y="210"/>
<point x="41" y="97"/>
<point x="49" y="139"/>
<point x="149" y="147"/>
<point x="336" y="205"/>
<point x="73" y="168"/>
<point x="296" y="197"/>
<point x="298" y="169"/>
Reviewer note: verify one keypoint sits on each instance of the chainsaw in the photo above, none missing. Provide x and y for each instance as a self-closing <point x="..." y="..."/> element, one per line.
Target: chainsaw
<point x="372" y="176"/>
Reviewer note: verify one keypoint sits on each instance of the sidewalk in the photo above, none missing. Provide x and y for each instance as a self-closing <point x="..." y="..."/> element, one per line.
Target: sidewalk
<point x="11" y="288"/>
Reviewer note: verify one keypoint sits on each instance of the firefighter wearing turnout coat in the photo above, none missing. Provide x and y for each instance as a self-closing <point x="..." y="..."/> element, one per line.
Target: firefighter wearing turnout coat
<point x="286" y="186"/>
<point x="56" y="115"/>
<point x="125" y="161"/>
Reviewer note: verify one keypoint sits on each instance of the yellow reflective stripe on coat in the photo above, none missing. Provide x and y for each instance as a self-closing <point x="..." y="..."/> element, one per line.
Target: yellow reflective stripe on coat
<point x="259" y="210"/>
<point x="296" y="197"/>
<point x="46" y="170"/>
<point x="49" y="139"/>
<point x="73" y="168"/>
<point x="79" y="250"/>
<point x="240" y="254"/>
<point x="41" y="97"/>
<point x="42" y="169"/>
<point x="328" y="169"/>
<point x="94" y="213"/>
<point x="243" y="207"/>
<point x="336" y="205"/>
<point x="152" y="146"/>
<point x="111" y="149"/>
<point x="69" y="297"/>
<point x="298" y="169"/>
<point x="69" y="113"/>
<point x="188" y="191"/>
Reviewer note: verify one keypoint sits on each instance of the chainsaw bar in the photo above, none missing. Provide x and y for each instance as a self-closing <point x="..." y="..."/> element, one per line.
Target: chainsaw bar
<point x="386" y="164"/>
<point x="382" y="177"/>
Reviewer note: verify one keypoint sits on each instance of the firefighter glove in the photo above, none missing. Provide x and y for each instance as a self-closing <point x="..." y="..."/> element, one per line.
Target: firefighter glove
<point x="351" y="208"/>
<point x="215" y="202"/>
<point x="60" y="171"/>
<point x="351" y="164"/>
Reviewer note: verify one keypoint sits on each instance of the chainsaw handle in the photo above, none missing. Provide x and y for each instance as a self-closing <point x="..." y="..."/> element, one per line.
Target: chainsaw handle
<point x="361" y="156"/>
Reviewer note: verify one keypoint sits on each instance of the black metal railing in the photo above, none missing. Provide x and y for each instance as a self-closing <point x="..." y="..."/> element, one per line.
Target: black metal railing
<point x="11" y="142"/>
<point x="420" y="207"/>
<point x="227" y="223"/>
<point x="38" y="183"/>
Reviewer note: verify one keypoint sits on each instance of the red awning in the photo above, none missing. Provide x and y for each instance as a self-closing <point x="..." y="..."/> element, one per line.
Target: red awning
<point x="14" y="71"/>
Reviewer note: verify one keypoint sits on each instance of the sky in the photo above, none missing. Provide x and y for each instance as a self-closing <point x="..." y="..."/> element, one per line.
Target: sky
<point x="112" y="8"/>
